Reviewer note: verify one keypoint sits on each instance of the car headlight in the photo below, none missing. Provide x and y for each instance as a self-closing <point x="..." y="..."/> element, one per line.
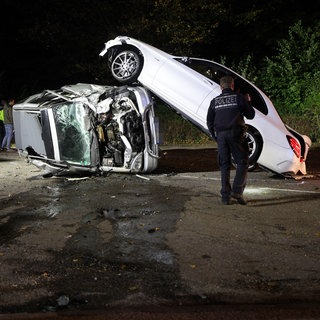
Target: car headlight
<point x="137" y="162"/>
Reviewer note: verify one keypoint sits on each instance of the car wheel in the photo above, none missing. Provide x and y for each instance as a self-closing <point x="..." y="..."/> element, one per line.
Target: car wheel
<point x="126" y="66"/>
<point x="255" y="146"/>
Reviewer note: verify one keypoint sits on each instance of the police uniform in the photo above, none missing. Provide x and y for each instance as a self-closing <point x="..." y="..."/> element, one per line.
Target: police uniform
<point x="225" y="121"/>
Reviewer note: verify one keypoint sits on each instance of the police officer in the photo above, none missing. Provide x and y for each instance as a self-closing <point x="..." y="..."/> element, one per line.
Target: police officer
<point x="225" y="121"/>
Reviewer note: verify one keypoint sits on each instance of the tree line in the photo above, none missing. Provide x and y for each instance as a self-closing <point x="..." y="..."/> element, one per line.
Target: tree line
<point x="49" y="43"/>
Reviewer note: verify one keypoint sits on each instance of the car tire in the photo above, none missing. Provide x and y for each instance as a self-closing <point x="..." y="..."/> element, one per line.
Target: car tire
<point x="126" y="66"/>
<point x="255" y="147"/>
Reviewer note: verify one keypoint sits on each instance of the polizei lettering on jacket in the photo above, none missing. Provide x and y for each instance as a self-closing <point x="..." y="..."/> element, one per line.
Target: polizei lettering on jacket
<point x="226" y="102"/>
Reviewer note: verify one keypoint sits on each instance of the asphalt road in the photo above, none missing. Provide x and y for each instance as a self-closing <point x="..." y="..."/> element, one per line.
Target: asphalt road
<point x="159" y="245"/>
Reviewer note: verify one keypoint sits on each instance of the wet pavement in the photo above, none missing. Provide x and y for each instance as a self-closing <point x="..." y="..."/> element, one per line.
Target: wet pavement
<point x="162" y="239"/>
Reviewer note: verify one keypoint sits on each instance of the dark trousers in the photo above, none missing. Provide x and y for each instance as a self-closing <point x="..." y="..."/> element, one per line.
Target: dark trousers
<point x="2" y="131"/>
<point x="228" y="145"/>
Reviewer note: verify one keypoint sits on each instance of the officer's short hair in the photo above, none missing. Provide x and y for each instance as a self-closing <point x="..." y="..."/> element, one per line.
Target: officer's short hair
<point x="226" y="82"/>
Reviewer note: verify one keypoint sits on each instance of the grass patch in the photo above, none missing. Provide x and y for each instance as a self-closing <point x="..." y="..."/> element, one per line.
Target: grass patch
<point x="304" y="126"/>
<point x="174" y="130"/>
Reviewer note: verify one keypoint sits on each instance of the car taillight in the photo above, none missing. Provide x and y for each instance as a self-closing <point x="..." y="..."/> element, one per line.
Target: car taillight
<point x="295" y="146"/>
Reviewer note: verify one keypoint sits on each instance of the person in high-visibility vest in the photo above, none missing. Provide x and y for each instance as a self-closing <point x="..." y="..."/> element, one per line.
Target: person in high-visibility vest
<point x="2" y="130"/>
<point x="8" y="125"/>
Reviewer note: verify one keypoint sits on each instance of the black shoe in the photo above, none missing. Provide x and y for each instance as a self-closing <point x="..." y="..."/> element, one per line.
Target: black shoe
<point x="239" y="198"/>
<point x="226" y="201"/>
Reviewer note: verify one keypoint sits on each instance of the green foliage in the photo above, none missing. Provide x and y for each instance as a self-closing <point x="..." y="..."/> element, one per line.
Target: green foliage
<point x="176" y="130"/>
<point x="287" y="75"/>
<point x="291" y="79"/>
<point x="246" y="67"/>
<point x="311" y="106"/>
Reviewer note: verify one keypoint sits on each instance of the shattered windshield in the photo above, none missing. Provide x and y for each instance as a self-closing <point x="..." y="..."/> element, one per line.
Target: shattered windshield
<point x="73" y="132"/>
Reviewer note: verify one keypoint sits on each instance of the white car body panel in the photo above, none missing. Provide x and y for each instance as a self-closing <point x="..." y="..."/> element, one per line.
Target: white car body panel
<point x="189" y="93"/>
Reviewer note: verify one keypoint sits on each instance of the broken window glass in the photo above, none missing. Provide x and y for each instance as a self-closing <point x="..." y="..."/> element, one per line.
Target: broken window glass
<point x="73" y="132"/>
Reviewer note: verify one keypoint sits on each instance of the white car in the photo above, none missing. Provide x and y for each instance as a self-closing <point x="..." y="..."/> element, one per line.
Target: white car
<point x="85" y="128"/>
<point x="189" y="84"/>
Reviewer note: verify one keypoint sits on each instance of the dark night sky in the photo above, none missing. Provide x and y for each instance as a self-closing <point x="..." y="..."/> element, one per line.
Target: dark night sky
<point x="45" y="45"/>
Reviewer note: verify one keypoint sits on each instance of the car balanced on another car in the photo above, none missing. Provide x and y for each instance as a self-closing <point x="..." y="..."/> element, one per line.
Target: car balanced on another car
<point x="189" y="84"/>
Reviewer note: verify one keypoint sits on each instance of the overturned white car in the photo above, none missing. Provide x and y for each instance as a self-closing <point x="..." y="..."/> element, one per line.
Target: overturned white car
<point x="85" y="128"/>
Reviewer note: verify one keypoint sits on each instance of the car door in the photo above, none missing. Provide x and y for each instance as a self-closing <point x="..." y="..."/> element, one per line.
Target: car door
<point x="183" y="89"/>
<point x="215" y="72"/>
